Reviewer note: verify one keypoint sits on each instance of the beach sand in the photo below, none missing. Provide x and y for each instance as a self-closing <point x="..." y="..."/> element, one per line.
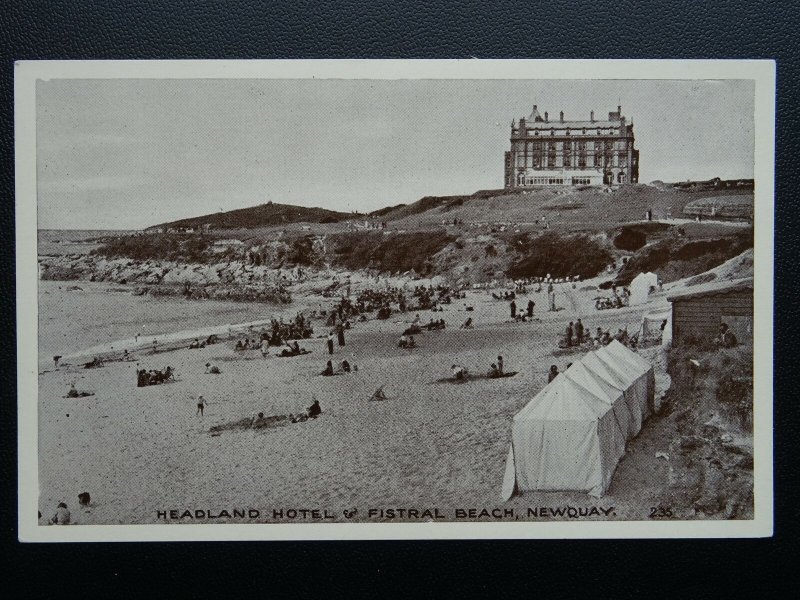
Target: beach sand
<point x="431" y="444"/>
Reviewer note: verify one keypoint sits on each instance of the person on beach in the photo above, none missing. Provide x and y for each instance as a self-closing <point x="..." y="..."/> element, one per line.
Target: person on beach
<point x="214" y="370"/>
<point x="62" y="516"/>
<point x="330" y="343"/>
<point x="257" y="420"/>
<point x="328" y="371"/>
<point x="459" y="372"/>
<point x="500" y="365"/>
<point x="56" y="359"/>
<point x="340" y="335"/>
<point x="513" y="307"/>
<point x="726" y="338"/>
<point x="569" y="334"/>
<point x="494" y="372"/>
<point x="314" y="410"/>
<point x="345" y="366"/>
<point x="264" y="348"/>
<point x="531" y="304"/>
<point x="552" y="374"/>
<point x="579" y="332"/>
<point x="201" y="404"/>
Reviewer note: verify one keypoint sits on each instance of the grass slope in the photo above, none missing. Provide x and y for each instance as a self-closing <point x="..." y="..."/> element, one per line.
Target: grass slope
<point x="261" y="216"/>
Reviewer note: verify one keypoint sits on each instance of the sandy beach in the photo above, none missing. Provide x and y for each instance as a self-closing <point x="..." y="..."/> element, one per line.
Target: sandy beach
<point x="431" y="444"/>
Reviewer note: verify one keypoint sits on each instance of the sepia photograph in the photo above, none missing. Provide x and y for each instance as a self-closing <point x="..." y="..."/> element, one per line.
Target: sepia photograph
<point x="395" y="299"/>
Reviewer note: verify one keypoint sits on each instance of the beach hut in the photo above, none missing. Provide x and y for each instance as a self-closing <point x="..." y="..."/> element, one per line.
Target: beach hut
<point x="640" y="287"/>
<point x="571" y="435"/>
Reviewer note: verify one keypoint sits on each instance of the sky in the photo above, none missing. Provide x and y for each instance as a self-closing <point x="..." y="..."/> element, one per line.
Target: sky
<point x="130" y="153"/>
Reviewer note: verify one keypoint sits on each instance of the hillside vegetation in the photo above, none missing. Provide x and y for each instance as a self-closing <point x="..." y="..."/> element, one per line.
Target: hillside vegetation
<point x="558" y="256"/>
<point x="260" y="216"/>
<point x="396" y="253"/>
<point x="677" y="257"/>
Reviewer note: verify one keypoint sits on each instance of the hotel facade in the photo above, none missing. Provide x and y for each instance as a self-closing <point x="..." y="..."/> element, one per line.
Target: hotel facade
<point x="559" y="152"/>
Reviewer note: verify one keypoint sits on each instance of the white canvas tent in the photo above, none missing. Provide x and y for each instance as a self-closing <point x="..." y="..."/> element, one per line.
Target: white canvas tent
<point x="650" y="329"/>
<point x="640" y="287"/>
<point x="571" y="435"/>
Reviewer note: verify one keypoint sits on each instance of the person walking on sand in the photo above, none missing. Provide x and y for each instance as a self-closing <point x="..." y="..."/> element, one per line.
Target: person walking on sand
<point x="201" y="404"/>
<point x="500" y="365"/>
<point x="330" y="343"/>
<point x="62" y="516"/>
<point x="264" y="348"/>
<point x="340" y="335"/>
<point x="531" y="304"/>
<point x="513" y="307"/>
<point x="579" y="332"/>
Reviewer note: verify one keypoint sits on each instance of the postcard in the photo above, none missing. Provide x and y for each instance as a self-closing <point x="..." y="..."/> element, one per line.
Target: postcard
<point x="394" y="299"/>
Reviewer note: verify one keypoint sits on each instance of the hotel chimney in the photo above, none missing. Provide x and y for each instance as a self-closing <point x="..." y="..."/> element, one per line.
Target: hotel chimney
<point x="561" y="116"/>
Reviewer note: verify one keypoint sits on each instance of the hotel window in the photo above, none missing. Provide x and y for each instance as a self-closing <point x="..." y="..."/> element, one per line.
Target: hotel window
<point x="552" y="132"/>
<point x="584" y="131"/>
<point x="567" y="131"/>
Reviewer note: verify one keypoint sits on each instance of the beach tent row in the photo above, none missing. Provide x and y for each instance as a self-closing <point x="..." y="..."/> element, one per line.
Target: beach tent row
<point x="573" y="433"/>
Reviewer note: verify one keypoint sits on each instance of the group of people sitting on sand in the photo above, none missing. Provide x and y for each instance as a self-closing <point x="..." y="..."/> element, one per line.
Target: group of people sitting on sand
<point x="197" y="343"/>
<point x="385" y="301"/>
<point x="344" y="367"/>
<point x="312" y="412"/>
<point x="154" y="376"/>
<point x="297" y="328"/>
<point x="505" y="295"/>
<point x="407" y="341"/>
<point x="246" y="344"/>
<point x="577" y="334"/>
<point x="435" y="324"/>
<point x="293" y="349"/>
<point x="73" y="393"/>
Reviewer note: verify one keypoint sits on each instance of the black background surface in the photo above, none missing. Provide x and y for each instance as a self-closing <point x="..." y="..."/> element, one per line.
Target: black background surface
<point x="135" y="29"/>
